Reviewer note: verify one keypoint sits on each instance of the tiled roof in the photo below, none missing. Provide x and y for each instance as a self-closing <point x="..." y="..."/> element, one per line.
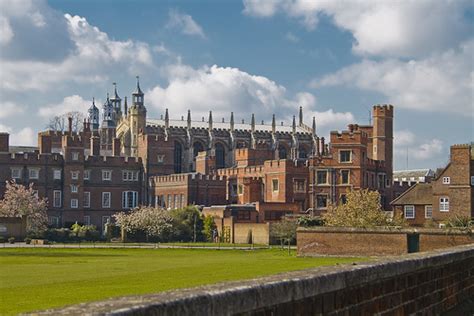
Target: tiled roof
<point x="419" y="194"/>
<point x="399" y="174"/>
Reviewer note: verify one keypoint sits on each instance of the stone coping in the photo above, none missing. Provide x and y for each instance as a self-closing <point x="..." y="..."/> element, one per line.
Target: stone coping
<point x="249" y="295"/>
<point x="386" y="230"/>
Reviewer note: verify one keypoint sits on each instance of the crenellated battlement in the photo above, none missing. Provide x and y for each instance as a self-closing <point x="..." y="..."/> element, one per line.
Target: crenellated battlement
<point x="383" y="110"/>
<point x="31" y="158"/>
<point x="114" y="160"/>
<point x="187" y="177"/>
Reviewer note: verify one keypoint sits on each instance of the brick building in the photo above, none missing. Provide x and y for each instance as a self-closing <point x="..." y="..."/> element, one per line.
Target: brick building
<point x="358" y="158"/>
<point x="450" y="193"/>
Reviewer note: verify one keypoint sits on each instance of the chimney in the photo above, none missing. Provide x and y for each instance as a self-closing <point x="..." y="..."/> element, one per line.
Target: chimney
<point x="4" y="142"/>
<point x="323" y="147"/>
<point x="70" y="125"/>
<point x="45" y="144"/>
<point x="116" y="147"/>
<point x="95" y="146"/>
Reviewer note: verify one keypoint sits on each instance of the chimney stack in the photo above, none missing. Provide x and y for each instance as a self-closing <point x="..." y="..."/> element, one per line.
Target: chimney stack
<point x="4" y="142"/>
<point x="70" y="125"/>
<point x="95" y="146"/>
<point x="116" y="147"/>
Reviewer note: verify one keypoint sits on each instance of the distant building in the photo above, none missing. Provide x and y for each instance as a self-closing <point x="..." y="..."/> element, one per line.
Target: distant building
<point x="404" y="179"/>
<point x="450" y="193"/>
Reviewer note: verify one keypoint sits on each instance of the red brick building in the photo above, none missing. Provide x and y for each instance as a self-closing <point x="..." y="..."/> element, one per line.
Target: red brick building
<point x="450" y="193"/>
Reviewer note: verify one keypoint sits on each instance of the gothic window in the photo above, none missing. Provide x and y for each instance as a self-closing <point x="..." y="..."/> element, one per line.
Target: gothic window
<point x="220" y="156"/>
<point x="303" y="153"/>
<point x="282" y="154"/>
<point x="197" y="147"/>
<point x="178" y="157"/>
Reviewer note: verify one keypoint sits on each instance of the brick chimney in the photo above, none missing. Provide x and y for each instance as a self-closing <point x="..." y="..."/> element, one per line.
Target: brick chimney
<point x="95" y="146"/>
<point x="45" y="144"/>
<point x="205" y="163"/>
<point x="70" y="125"/>
<point x="4" y="142"/>
<point x="116" y="147"/>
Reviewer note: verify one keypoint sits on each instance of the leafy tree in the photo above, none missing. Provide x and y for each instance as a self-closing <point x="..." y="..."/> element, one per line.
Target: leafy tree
<point x="362" y="209"/>
<point x="187" y="224"/>
<point x="284" y="230"/>
<point x="22" y="201"/>
<point x="152" y="221"/>
<point x="209" y="228"/>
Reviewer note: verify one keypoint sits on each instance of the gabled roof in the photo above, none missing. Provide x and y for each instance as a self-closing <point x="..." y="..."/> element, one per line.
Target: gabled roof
<point x="419" y="194"/>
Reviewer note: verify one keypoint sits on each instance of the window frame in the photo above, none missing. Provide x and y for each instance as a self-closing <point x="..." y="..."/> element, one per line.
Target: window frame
<point x="105" y="172"/>
<point x="75" y="175"/>
<point x="88" y="199"/>
<point x="299" y="185"/>
<point x="35" y="176"/>
<point x="444" y="205"/>
<point x="104" y="205"/>
<point x="16" y="169"/>
<point x="74" y="188"/>
<point x="87" y="174"/>
<point x="87" y="220"/>
<point x="348" y="176"/>
<point x="57" y="174"/>
<point x="277" y="182"/>
<point x="446" y="180"/>
<point x="405" y="211"/>
<point x="345" y="151"/>
<point x="317" y="201"/>
<point x="126" y="199"/>
<point x="426" y="211"/>
<point x="55" y="198"/>
<point x="76" y="204"/>
<point x="317" y="177"/>
<point x="75" y="155"/>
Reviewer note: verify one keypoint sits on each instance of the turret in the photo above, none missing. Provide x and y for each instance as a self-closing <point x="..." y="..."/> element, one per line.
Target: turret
<point x="210" y="120"/>
<point x="189" y="119"/>
<point x="138" y="96"/>
<point x="301" y="116"/>
<point x="116" y="103"/>
<point x="293" y="129"/>
<point x="232" y="121"/>
<point x="93" y="116"/>
<point x="108" y="112"/>
<point x="136" y="117"/>
<point x="252" y="123"/>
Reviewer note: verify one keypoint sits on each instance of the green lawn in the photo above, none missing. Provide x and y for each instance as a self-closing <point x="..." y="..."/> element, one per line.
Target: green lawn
<point x="40" y="278"/>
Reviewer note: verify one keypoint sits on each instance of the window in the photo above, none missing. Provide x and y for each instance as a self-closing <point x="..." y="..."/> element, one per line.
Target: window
<point x="428" y="211"/>
<point x="75" y="155"/>
<point x="128" y="175"/>
<point x="322" y="177"/>
<point x="446" y="180"/>
<point x="275" y="185"/>
<point x="87" y="174"/>
<point x="74" y="203"/>
<point x="16" y="173"/>
<point x="300" y="185"/>
<point x="381" y="180"/>
<point x="74" y="188"/>
<point x="321" y="201"/>
<point x="106" y="175"/>
<point x="87" y="220"/>
<point x="53" y="221"/>
<point x="444" y="204"/>
<point x="241" y="189"/>
<point x="344" y="176"/>
<point x="57" y="198"/>
<point x="345" y="156"/>
<point x="106" y="199"/>
<point x="176" y="201"/>
<point x="169" y="201"/>
<point x="87" y="200"/>
<point x="57" y="174"/>
<point x="343" y="199"/>
<point x="129" y="199"/>
<point x="182" y="200"/>
<point x="74" y="175"/>
<point x="472" y="180"/>
<point x="33" y="173"/>
<point x="409" y="211"/>
<point x="243" y="215"/>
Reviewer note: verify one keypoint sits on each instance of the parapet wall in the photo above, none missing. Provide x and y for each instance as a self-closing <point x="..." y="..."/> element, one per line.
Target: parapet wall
<point x="427" y="283"/>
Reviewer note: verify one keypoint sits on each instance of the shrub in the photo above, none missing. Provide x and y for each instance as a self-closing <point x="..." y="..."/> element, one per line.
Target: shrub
<point x="11" y="240"/>
<point x="2" y="239"/>
<point x="209" y="228"/>
<point x="309" y="221"/>
<point x="27" y="240"/>
<point x="459" y="221"/>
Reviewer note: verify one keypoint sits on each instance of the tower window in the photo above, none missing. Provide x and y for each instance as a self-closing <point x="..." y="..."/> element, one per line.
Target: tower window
<point x="321" y="177"/>
<point x="345" y="156"/>
<point x="345" y="176"/>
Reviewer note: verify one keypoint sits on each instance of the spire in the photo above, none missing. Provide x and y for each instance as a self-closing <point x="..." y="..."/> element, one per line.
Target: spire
<point x="231" y="121"/>
<point x="210" y="120"/>
<point x="138" y="96"/>
<point x="301" y="116"/>
<point x="314" y="126"/>
<point x="294" y="124"/>
<point x="273" y="124"/>
<point x="189" y="119"/>
<point x="125" y="106"/>
<point x="138" y="90"/>
<point x="93" y="115"/>
<point x="167" y="119"/>
<point x="252" y="122"/>
<point x="116" y="96"/>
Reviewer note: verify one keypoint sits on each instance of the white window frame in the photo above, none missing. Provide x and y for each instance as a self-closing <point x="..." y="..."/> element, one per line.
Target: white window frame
<point x="75" y="175"/>
<point x="74" y="203"/>
<point x="129" y="175"/>
<point x="86" y="203"/>
<point x="87" y="174"/>
<point x="327" y="177"/>
<point x="106" y="205"/>
<point x="126" y="199"/>
<point x="104" y="175"/>
<point x="405" y="211"/>
<point x="87" y="220"/>
<point x="16" y="173"/>
<point x="33" y="173"/>
<point x="446" y="180"/>
<point x="75" y="155"/>
<point x="444" y="204"/>
<point x="59" y="200"/>
<point x="348" y="176"/>
<point x="74" y="188"/>
<point x="429" y="210"/>
<point x="350" y="155"/>
<point x="277" y="181"/>
<point x="160" y="158"/>
<point x="299" y="181"/>
<point x="57" y="174"/>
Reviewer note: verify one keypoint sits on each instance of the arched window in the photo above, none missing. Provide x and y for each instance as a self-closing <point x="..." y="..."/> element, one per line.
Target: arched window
<point x="303" y="153"/>
<point x="178" y="157"/>
<point x="282" y="154"/>
<point x="220" y="156"/>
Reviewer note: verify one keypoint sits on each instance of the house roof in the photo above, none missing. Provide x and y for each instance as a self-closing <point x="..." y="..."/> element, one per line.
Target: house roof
<point x="419" y="194"/>
<point x="408" y="174"/>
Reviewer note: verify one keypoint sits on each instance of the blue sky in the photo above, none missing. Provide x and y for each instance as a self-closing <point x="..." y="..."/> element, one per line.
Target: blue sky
<point x="334" y="58"/>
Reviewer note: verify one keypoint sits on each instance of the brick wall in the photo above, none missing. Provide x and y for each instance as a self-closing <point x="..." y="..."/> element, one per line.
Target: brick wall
<point x="260" y="233"/>
<point x="427" y="283"/>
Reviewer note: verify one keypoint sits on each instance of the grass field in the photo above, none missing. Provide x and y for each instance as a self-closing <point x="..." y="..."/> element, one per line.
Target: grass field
<point x="32" y="279"/>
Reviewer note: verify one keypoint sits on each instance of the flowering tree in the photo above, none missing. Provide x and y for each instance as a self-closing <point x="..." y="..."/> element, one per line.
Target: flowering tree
<point x="362" y="209"/>
<point x="22" y="201"/>
<point x="152" y="221"/>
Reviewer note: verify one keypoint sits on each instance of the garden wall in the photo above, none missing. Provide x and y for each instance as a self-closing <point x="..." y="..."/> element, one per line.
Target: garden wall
<point x="260" y="233"/>
<point x="426" y="283"/>
<point x="13" y="227"/>
<point x="375" y="241"/>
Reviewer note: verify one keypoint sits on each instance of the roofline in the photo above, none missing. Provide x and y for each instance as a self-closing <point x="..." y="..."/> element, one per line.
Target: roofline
<point x="406" y="192"/>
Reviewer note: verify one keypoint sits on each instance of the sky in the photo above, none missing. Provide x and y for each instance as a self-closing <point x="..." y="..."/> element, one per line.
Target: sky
<point x="336" y="59"/>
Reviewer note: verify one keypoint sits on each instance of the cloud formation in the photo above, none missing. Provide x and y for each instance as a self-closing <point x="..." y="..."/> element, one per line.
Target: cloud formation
<point x="69" y="104"/>
<point x="184" y="23"/>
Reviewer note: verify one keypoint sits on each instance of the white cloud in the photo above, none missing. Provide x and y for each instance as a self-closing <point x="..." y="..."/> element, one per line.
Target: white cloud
<point x="388" y="28"/>
<point x="184" y="23"/>
<point x="403" y="138"/>
<point x="291" y="37"/>
<point x="69" y="104"/>
<point x="6" y="32"/>
<point x="8" y="109"/>
<point x="407" y="143"/>
<point x="428" y="150"/>
<point x="23" y="137"/>
<point x="441" y="82"/>
<point x="225" y="89"/>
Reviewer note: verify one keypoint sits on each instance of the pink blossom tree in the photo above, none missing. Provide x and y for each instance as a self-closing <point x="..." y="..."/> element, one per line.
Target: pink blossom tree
<point x="23" y="201"/>
<point x="152" y="221"/>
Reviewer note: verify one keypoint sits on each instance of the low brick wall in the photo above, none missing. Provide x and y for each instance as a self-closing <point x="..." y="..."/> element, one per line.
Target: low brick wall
<point x="374" y="241"/>
<point x="427" y="283"/>
<point x="260" y="233"/>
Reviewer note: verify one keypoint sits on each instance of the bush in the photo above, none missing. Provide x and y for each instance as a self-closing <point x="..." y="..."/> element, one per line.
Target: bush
<point x="309" y="221"/>
<point x="11" y="240"/>
<point x="458" y="221"/>
<point x="2" y="239"/>
<point x="209" y="228"/>
<point x="27" y="240"/>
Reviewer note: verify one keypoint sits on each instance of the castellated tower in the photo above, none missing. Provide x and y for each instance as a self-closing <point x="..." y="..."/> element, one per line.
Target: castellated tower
<point x="383" y="134"/>
<point x="137" y="118"/>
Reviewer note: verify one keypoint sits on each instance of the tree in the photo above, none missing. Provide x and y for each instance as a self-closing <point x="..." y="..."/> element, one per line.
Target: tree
<point x="22" y="201"/>
<point x="362" y="209"/>
<point x="209" y="228"/>
<point x="60" y="122"/>
<point x="187" y="224"/>
<point x="284" y="230"/>
<point x="152" y="221"/>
